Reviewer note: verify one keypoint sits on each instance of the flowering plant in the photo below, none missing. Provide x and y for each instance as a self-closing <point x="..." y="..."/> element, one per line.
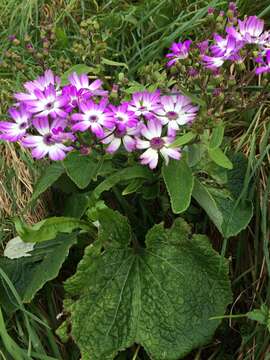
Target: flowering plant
<point x="150" y="153"/>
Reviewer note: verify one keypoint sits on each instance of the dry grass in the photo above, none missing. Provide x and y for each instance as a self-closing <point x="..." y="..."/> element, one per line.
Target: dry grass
<point x="18" y="187"/>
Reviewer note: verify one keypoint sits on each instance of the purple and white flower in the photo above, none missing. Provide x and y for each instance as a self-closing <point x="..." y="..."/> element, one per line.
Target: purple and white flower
<point x="179" y="51"/>
<point x="81" y="83"/>
<point x="155" y="144"/>
<point x="14" y="131"/>
<point x="177" y="110"/>
<point x="50" y="140"/>
<point x="121" y="136"/>
<point x="224" y="49"/>
<point x="48" y="102"/>
<point x="122" y="115"/>
<point x="145" y="103"/>
<point x="94" y="117"/>
<point x="250" y="31"/>
<point x="41" y="83"/>
<point x="264" y="62"/>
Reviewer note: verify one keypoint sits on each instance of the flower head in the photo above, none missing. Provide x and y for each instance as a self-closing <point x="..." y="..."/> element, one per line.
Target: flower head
<point x="177" y="110"/>
<point x="81" y="83"/>
<point x="50" y="140"/>
<point x="48" y="102"/>
<point x="40" y="84"/>
<point x="14" y="131"/>
<point x="155" y="144"/>
<point x="145" y="103"/>
<point x="121" y="136"/>
<point x="122" y="115"/>
<point x="250" y="30"/>
<point x="179" y="51"/>
<point x="94" y="117"/>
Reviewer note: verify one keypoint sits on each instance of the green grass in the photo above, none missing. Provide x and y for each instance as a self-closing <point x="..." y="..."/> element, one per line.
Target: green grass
<point x="135" y="33"/>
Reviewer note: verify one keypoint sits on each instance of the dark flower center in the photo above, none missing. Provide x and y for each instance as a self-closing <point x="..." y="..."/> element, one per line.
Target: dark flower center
<point x="120" y="133"/>
<point x="156" y="143"/>
<point x="120" y="118"/>
<point x="23" y="125"/>
<point x="143" y="108"/>
<point x="48" y="139"/>
<point x="172" y="115"/>
<point x="49" y="105"/>
<point x="93" y="118"/>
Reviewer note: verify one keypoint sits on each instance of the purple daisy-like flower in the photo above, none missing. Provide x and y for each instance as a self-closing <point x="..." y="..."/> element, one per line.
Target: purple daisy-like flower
<point x="50" y="140"/>
<point x="122" y="115"/>
<point x="250" y="31"/>
<point x="155" y="144"/>
<point x="40" y="84"/>
<point x="224" y="49"/>
<point x="13" y="131"/>
<point x="179" y="51"/>
<point x="121" y="136"/>
<point x="145" y="103"/>
<point x="48" y="102"/>
<point x="177" y="110"/>
<point x="81" y="83"/>
<point x="94" y="117"/>
<point x="264" y="62"/>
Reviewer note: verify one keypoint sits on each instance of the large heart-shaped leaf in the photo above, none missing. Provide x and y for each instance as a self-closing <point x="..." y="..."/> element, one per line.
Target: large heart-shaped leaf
<point x="161" y="296"/>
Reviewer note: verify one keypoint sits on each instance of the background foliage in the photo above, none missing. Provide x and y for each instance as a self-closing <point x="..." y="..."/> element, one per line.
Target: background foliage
<point x="123" y="42"/>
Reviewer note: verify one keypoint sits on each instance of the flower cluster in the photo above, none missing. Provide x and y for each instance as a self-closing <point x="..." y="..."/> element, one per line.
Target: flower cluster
<point x="239" y="37"/>
<point x="52" y="120"/>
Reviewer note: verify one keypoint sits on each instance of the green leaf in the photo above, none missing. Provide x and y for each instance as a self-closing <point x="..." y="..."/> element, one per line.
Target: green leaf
<point x="49" y="176"/>
<point x="161" y="297"/>
<point x="113" y="63"/>
<point x="81" y="168"/>
<point x="179" y="183"/>
<point x="29" y="274"/>
<point x="262" y="315"/>
<point x="216" y="137"/>
<point x="48" y="229"/>
<point x="61" y="37"/>
<point x="218" y="156"/>
<point x="133" y="186"/>
<point x="78" y="68"/>
<point x="229" y="215"/>
<point x="122" y="175"/>
<point x="183" y="140"/>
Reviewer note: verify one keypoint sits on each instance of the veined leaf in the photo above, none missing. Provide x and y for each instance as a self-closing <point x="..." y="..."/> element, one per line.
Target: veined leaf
<point x="81" y="169"/>
<point x="218" y="156"/>
<point x="183" y="139"/>
<point x="120" y="296"/>
<point x="179" y="183"/>
<point x="48" y="229"/>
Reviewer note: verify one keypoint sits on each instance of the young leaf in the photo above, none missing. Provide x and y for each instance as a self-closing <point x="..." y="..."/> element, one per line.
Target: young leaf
<point x="49" y="176"/>
<point x="135" y="172"/>
<point x="218" y="156"/>
<point x="29" y="274"/>
<point x="217" y="137"/>
<point x="113" y="63"/>
<point x="80" y="168"/>
<point x="179" y="182"/>
<point x="183" y="139"/>
<point x="48" y="229"/>
<point x="161" y="297"/>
